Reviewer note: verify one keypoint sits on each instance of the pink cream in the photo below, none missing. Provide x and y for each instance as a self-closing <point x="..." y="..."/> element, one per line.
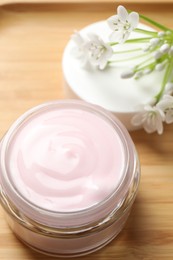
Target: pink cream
<point x="69" y="174"/>
<point x="66" y="160"/>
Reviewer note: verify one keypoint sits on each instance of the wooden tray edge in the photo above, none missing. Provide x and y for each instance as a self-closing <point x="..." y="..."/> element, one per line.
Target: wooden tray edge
<point x="148" y="2"/>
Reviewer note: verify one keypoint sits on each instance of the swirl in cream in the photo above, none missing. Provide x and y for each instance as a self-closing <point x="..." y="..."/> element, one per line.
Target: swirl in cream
<point x="66" y="160"/>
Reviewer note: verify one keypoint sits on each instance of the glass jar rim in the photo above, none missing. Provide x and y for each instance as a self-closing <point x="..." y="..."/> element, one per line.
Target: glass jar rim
<point x="86" y="215"/>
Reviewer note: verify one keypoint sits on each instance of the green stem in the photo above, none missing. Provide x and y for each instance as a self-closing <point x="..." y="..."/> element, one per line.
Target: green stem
<point x="158" y="25"/>
<point x="127" y="51"/>
<point x="150" y="66"/>
<point x="138" y="40"/>
<point x="113" y="43"/>
<point x="129" y="59"/>
<point x="166" y="78"/>
<point x="140" y="65"/>
<point x="145" y="32"/>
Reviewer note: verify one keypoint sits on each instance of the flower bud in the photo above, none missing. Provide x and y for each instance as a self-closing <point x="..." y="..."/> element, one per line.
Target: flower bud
<point x="161" y="34"/>
<point x="152" y="101"/>
<point x="138" y="74"/>
<point x="146" y="47"/>
<point x="169" y="88"/>
<point x="157" y="55"/>
<point x="171" y="51"/>
<point x="165" y="48"/>
<point x="127" y="74"/>
<point x="154" y="41"/>
<point x="147" y="71"/>
<point x="168" y="32"/>
<point x="159" y="67"/>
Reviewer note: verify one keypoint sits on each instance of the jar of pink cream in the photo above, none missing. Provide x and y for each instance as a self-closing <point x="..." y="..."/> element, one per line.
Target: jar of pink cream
<point x="69" y="174"/>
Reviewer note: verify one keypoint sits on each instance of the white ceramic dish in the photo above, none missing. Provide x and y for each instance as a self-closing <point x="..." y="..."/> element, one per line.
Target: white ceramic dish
<point x="106" y="88"/>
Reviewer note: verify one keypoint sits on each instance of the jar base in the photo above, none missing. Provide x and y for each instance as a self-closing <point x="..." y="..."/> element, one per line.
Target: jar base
<point x="79" y="254"/>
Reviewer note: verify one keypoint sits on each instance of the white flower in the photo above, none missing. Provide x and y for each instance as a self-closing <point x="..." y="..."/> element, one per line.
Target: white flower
<point x="166" y="104"/>
<point x="151" y="118"/>
<point x="122" y="24"/>
<point x="92" y="50"/>
<point x="98" y="51"/>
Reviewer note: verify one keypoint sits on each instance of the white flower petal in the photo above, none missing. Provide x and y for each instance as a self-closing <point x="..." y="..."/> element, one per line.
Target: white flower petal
<point x="124" y="37"/>
<point x="115" y="36"/>
<point x="92" y="36"/>
<point x="113" y="22"/>
<point x="160" y="112"/>
<point x="133" y="19"/>
<point x="148" y="107"/>
<point x="148" y="128"/>
<point x="102" y="64"/>
<point x="159" y="126"/>
<point x="166" y="105"/>
<point x="166" y="102"/>
<point x="169" y="118"/>
<point x="137" y="119"/>
<point x="122" y="13"/>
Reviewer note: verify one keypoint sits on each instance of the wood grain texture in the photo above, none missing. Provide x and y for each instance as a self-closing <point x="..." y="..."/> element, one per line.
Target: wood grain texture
<point x="32" y="40"/>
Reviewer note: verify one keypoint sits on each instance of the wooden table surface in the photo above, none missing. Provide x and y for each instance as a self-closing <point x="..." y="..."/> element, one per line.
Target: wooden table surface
<point x="32" y="39"/>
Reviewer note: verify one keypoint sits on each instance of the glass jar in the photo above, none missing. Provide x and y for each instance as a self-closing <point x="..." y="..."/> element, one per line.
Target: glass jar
<point x="87" y="149"/>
